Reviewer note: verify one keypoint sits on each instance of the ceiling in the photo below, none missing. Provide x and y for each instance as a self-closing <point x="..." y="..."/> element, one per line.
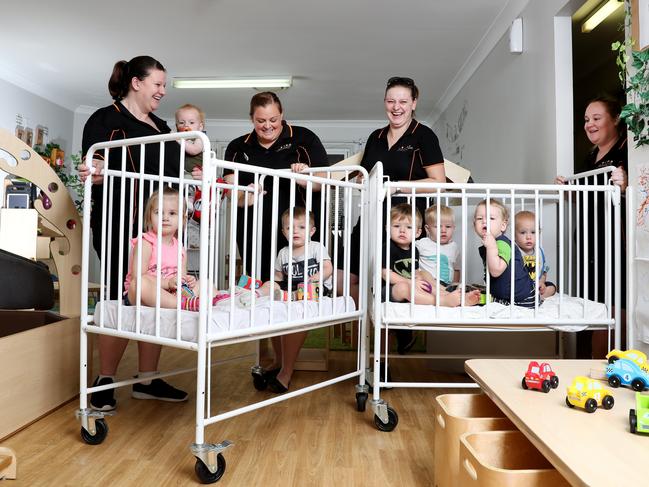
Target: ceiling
<point x="339" y="52"/>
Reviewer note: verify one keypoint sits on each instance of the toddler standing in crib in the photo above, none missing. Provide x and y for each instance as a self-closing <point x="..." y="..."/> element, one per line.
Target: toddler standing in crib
<point x="169" y="254"/>
<point x="448" y="251"/>
<point x="496" y="252"/>
<point x="526" y="241"/>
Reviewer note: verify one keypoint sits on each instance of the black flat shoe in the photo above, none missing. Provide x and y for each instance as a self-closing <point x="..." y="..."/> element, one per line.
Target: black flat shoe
<point x="276" y="386"/>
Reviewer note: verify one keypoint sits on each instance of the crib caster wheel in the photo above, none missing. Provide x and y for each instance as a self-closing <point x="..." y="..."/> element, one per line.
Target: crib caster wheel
<point x="203" y="473"/>
<point x="259" y="382"/>
<point x="361" y="399"/>
<point x="101" y="430"/>
<point x="393" y="420"/>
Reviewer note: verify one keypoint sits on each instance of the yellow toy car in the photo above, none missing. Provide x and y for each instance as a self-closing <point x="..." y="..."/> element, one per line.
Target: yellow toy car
<point x="633" y="355"/>
<point x="588" y="394"/>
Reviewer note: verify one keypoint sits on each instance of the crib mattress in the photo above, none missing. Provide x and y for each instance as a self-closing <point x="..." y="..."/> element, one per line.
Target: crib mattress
<point x="497" y="314"/>
<point x="220" y="319"/>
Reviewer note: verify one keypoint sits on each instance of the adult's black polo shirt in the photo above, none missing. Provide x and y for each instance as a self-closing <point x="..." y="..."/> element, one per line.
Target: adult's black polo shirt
<point x="407" y="159"/>
<point x="115" y="122"/>
<point x="294" y="145"/>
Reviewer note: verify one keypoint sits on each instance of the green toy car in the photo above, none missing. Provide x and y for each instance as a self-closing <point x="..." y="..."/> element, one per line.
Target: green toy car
<point x="639" y="417"/>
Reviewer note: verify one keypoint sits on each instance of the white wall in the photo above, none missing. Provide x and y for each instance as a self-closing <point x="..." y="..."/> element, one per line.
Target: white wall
<point x="36" y="111"/>
<point x="333" y="133"/>
<point x="507" y="131"/>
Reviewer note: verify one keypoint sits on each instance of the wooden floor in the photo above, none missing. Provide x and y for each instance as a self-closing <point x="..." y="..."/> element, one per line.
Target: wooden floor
<point x="317" y="439"/>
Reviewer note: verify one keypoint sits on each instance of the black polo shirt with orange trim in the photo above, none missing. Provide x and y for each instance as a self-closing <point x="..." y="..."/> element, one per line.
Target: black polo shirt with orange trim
<point x="407" y="159"/>
<point x="295" y="144"/>
<point x="115" y="122"/>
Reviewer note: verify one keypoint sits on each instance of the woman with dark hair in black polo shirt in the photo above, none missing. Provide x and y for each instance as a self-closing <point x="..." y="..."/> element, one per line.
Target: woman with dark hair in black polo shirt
<point x="136" y="86"/>
<point x="275" y="144"/>
<point x="408" y="150"/>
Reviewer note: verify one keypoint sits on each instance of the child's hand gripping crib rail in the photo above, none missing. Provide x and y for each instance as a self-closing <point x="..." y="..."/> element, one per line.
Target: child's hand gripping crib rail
<point x="483" y="234"/>
<point x="241" y="215"/>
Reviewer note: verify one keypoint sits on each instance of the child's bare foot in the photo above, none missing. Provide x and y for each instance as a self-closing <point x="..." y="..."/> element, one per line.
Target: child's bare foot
<point x="472" y="298"/>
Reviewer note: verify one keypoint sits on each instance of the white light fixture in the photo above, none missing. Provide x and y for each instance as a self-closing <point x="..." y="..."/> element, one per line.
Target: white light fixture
<point x="516" y="36"/>
<point x="266" y="82"/>
<point x="605" y="9"/>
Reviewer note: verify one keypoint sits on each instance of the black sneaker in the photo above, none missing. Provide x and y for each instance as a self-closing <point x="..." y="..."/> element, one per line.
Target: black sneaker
<point x="405" y="341"/>
<point x="103" y="400"/>
<point x="160" y="390"/>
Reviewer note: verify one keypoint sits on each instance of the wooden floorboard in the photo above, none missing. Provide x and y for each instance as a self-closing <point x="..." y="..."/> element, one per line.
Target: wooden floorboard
<point x="318" y="439"/>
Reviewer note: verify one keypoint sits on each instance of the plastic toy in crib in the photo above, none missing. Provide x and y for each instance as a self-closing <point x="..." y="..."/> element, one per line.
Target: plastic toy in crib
<point x="639" y="417"/>
<point x="186" y="291"/>
<point x="588" y="394"/>
<point x="634" y="355"/>
<point x="247" y="283"/>
<point x="311" y="290"/>
<point x="624" y="372"/>
<point x="197" y="206"/>
<point x="540" y="377"/>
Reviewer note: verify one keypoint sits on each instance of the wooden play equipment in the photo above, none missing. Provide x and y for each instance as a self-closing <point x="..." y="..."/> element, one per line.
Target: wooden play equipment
<point x="39" y="350"/>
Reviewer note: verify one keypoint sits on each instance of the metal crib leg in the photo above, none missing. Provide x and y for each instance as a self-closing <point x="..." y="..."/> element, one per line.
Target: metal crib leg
<point x="210" y="462"/>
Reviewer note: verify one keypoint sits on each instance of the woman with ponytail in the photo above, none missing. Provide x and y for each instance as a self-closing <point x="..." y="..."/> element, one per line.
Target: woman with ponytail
<point x="136" y="86"/>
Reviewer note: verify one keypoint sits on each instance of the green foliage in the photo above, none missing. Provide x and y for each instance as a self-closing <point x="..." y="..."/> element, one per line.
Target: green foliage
<point x="636" y="85"/>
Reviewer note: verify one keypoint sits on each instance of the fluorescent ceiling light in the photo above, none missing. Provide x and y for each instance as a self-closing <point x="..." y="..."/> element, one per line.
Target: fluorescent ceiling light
<point x="266" y="82"/>
<point x="605" y="9"/>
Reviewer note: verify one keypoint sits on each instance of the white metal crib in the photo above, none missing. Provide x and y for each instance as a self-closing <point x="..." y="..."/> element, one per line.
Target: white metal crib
<point x="570" y="207"/>
<point x="234" y="319"/>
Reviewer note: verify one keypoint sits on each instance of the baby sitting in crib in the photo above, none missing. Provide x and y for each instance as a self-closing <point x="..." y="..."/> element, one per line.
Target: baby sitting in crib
<point x="496" y="253"/>
<point x="526" y="241"/>
<point x="401" y="267"/>
<point x="302" y="280"/>
<point x="169" y="251"/>
<point x="448" y="251"/>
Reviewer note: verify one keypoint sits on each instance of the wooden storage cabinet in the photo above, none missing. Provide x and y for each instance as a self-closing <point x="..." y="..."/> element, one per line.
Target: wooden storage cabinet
<point x="39" y="366"/>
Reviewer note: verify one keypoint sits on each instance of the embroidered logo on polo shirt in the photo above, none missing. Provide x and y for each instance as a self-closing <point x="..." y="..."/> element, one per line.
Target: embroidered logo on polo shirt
<point x="405" y="148"/>
<point x="284" y="147"/>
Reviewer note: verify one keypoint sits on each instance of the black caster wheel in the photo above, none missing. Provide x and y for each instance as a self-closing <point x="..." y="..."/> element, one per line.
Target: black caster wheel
<point x="259" y="381"/>
<point x="203" y="473"/>
<point x="393" y="420"/>
<point x="361" y="399"/>
<point x="101" y="430"/>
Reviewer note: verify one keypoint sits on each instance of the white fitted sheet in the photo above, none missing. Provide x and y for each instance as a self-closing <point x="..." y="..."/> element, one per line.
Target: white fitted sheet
<point x="220" y="321"/>
<point x="495" y="313"/>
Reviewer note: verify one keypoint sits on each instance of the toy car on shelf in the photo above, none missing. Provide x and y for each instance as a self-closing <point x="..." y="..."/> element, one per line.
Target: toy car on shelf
<point x="588" y="394"/>
<point x="540" y="377"/>
<point x="633" y="355"/>
<point x="639" y="417"/>
<point x="624" y="372"/>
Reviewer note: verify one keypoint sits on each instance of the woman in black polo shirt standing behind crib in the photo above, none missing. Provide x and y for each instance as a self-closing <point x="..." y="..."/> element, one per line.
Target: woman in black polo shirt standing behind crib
<point x="136" y="86"/>
<point x="408" y="150"/>
<point x="274" y="144"/>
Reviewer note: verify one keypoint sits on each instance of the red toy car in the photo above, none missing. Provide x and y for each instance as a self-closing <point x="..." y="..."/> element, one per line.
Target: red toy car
<point x="540" y="377"/>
